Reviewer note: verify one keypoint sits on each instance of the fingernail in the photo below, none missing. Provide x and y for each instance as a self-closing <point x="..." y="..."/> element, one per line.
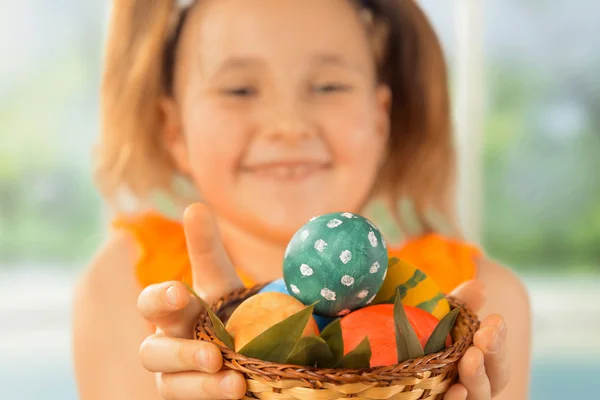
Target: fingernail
<point x="226" y="383"/>
<point x="171" y="296"/>
<point x="495" y="343"/>
<point x="203" y="359"/>
<point x="501" y="327"/>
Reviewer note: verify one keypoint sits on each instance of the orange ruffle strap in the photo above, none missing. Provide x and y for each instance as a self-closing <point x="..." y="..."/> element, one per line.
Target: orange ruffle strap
<point x="163" y="248"/>
<point x="164" y="256"/>
<point x="449" y="262"/>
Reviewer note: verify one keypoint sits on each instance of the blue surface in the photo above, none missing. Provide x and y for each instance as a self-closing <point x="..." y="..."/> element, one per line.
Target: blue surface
<point x="18" y="381"/>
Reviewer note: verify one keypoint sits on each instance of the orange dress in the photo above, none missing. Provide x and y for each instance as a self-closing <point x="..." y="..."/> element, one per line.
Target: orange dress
<point x="448" y="262"/>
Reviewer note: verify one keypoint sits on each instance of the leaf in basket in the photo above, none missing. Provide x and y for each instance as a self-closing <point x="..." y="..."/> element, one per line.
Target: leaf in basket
<point x="311" y="351"/>
<point x="218" y="326"/>
<point x="358" y="358"/>
<point x="407" y="343"/>
<point x="437" y="340"/>
<point x="332" y="334"/>
<point x="276" y="343"/>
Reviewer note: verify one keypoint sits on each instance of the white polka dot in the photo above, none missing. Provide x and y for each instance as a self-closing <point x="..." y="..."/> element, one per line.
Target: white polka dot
<point x="362" y="294"/>
<point x="346" y="256"/>
<point x="347" y="280"/>
<point x="343" y="312"/>
<point x="320" y="245"/>
<point x="334" y="223"/>
<point x="384" y="275"/>
<point x="295" y="289"/>
<point x="306" y="270"/>
<point x="375" y="267"/>
<point x="347" y="215"/>
<point x="372" y="239"/>
<point x="313" y="218"/>
<point x="371" y="300"/>
<point x="383" y="243"/>
<point x="328" y="294"/>
<point x="304" y="234"/>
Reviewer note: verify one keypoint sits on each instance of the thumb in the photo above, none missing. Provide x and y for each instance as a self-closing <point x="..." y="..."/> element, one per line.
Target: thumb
<point x="472" y="293"/>
<point x="212" y="272"/>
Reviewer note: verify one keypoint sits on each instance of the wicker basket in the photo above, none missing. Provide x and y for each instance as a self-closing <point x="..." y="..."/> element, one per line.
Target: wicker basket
<point x="427" y="377"/>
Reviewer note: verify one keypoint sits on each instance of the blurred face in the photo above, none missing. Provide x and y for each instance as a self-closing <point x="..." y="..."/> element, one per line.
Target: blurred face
<point x="277" y="115"/>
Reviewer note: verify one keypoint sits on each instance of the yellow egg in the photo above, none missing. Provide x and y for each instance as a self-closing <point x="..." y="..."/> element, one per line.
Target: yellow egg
<point x="416" y="289"/>
<point x="260" y="312"/>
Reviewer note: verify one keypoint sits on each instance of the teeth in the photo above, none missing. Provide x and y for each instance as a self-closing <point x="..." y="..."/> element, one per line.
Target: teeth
<point x="301" y="169"/>
<point x="282" y="172"/>
<point x="286" y="172"/>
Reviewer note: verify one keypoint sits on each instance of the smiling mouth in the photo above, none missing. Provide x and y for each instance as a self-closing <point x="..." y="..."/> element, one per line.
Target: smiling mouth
<point x="287" y="171"/>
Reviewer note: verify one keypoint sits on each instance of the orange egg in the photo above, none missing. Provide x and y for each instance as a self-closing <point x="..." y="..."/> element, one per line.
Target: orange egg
<point x="377" y="323"/>
<point x="260" y="312"/>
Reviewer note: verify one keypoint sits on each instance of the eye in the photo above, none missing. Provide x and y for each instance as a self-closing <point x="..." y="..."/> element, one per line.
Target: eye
<point x="242" y="91"/>
<point x="331" y="88"/>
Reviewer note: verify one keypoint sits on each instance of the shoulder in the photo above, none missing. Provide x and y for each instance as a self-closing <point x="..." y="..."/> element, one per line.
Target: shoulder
<point x="113" y="262"/>
<point x="508" y="297"/>
<point x="107" y="326"/>
<point x="503" y="286"/>
<point x="108" y="280"/>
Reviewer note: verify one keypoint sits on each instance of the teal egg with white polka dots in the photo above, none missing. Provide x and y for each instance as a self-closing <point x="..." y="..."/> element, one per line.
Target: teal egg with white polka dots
<point x="338" y="260"/>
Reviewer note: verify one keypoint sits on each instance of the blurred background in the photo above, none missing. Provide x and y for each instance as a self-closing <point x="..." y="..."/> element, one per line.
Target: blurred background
<point x="527" y="92"/>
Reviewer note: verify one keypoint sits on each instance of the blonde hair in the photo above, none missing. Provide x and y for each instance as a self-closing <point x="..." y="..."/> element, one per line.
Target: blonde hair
<point x="138" y="67"/>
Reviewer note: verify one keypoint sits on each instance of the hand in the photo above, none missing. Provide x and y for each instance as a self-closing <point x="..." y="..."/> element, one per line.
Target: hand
<point x="188" y="369"/>
<point x="484" y="370"/>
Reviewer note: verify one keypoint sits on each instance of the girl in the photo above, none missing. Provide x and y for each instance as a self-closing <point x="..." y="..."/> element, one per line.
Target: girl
<point x="274" y="111"/>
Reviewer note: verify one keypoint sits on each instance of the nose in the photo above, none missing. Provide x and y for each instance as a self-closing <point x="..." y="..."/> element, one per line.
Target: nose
<point x="288" y="124"/>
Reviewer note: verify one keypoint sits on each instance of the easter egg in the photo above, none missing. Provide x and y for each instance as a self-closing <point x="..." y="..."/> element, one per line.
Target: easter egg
<point x="338" y="260"/>
<point x="377" y="323"/>
<point x="280" y="287"/>
<point x="260" y="312"/>
<point x="416" y="289"/>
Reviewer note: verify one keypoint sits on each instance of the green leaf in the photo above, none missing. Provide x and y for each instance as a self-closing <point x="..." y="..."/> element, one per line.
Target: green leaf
<point x="407" y="343"/>
<point x="218" y="325"/>
<point x="359" y="358"/>
<point x="437" y="340"/>
<point x="276" y="343"/>
<point x="311" y="351"/>
<point x="332" y="334"/>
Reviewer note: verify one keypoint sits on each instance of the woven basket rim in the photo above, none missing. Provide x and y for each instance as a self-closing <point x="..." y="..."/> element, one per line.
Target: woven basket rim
<point x="466" y="325"/>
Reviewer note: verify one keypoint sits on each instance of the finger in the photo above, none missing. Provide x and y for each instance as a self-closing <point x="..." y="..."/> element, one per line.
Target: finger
<point x="456" y="392"/>
<point x="471" y="370"/>
<point x="491" y="340"/>
<point x="163" y="354"/>
<point x="197" y="385"/>
<point x="213" y="273"/>
<point x="170" y="307"/>
<point x="472" y="293"/>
